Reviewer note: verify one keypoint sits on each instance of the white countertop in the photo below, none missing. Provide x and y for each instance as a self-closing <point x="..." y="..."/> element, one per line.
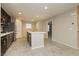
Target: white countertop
<point x="3" y="34"/>
<point x="37" y="32"/>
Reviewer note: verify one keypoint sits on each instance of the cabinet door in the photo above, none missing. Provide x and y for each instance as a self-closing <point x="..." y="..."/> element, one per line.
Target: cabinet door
<point x="3" y="45"/>
<point x="8" y="40"/>
<point x="12" y="36"/>
<point x="30" y="39"/>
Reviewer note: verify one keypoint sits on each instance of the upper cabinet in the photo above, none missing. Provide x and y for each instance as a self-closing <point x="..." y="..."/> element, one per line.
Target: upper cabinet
<point x="5" y="16"/>
<point x="6" y="24"/>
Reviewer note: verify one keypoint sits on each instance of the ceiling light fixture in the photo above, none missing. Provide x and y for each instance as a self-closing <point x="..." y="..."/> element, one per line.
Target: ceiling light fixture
<point x="37" y="16"/>
<point x="32" y="19"/>
<point x="73" y="14"/>
<point x="19" y="13"/>
<point x="45" y="7"/>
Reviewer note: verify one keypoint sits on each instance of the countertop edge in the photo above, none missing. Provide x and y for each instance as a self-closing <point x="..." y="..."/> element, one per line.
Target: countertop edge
<point x="3" y="34"/>
<point x="36" y="32"/>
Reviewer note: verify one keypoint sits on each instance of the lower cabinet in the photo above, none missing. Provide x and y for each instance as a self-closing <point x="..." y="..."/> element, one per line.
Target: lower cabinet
<point x="3" y="45"/>
<point x="9" y="39"/>
<point x="6" y="42"/>
<point x="29" y="38"/>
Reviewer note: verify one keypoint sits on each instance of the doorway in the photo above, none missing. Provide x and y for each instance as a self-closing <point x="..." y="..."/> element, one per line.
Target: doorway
<point x="50" y="30"/>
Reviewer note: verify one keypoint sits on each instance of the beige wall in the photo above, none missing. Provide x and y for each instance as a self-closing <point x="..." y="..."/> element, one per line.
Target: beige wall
<point x="39" y="26"/>
<point x="18" y="28"/>
<point x="25" y="30"/>
<point x="77" y="11"/>
<point x="34" y="26"/>
<point x="63" y="30"/>
<point x="42" y="26"/>
<point x="0" y="29"/>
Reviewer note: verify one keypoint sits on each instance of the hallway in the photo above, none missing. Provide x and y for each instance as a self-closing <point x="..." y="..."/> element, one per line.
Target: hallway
<point x="21" y="48"/>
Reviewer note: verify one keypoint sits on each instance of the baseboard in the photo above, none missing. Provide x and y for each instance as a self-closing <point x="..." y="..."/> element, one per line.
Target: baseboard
<point x="37" y="47"/>
<point x="65" y="44"/>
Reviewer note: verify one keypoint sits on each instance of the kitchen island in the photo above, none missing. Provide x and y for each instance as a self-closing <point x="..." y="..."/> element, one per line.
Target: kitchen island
<point x="35" y="39"/>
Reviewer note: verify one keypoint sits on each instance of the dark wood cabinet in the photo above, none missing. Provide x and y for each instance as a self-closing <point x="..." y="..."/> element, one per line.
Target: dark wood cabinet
<point x="6" y="26"/>
<point x="9" y="39"/>
<point x="3" y="45"/>
<point x="29" y="38"/>
<point x="5" y="22"/>
<point x="6" y="41"/>
<point x="5" y="16"/>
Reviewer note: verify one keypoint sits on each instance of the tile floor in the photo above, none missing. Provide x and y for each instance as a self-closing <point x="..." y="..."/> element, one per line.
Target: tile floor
<point x="21" y="48"/>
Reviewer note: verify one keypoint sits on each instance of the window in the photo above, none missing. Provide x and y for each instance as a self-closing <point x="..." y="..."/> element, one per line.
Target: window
<point x="29" y="26"/>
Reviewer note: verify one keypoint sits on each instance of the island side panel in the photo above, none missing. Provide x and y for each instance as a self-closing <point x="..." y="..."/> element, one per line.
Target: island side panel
<point x="37" y="40"/>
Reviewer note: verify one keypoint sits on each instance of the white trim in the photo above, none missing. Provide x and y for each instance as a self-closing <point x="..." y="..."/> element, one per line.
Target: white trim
<point x="66" y="44"/>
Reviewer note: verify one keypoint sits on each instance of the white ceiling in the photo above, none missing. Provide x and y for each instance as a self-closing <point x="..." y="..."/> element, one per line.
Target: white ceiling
<point x="31" y="10"/>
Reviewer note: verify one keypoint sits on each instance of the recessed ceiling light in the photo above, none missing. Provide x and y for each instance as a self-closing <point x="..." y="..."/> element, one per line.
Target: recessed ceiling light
<point x="19" y="13"/>
<point x="37" y="16"/>
<point x="45" y="7"/>
<point x="32" y="19"/>
<point x="73" y="14"/>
